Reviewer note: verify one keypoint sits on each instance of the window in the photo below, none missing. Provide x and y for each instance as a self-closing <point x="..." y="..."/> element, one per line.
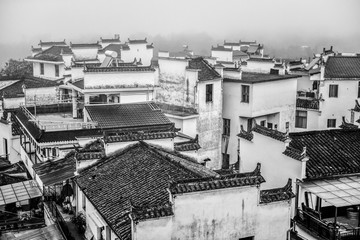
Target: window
<point x="315" y="85"/>
<point x="5" y="147"/>
<point x="301" y="119"/>
<point x="270" y="125"/>
<point x="287" y="126"/>
<point x="333" y="91"/>
<point x="209" y="92"/>
<point x="56" y="70"/>
<point x="84" y="201"/>
<point x="352" y="117"/>
<point x="359" y="90"/>
<point x="331" y="123"/>
<point x="226" y="127"/>
<point x="262" y="123"/>
<point x="41" y="69"/>
<point x="225" y="161"/>
<point x="245" y="93"/>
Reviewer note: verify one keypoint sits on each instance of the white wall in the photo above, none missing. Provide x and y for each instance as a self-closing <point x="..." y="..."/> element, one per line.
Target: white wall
<point x="258" y="67"/>
<point x="111" y="79"/>
<point x="85" y="53"/>
<point x="138" y="51"/>
<point x="13" y="143"/>
<point x="226" y="56"/>
<point x="49" y="70"/>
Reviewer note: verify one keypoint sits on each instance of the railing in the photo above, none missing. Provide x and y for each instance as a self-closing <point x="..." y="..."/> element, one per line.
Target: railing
<point x="315" y="225"/>
<point x="59" y="220"/>
<point x="307" y="103"/>
<point x="325" y="230"/>
<point x="22" y="224"/>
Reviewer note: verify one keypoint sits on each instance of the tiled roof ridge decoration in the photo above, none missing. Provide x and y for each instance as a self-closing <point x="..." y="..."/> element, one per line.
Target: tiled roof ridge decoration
<point x="295" y="153"/>
<point x="357" y="106"/>
<point x="84" y="45"/>
<point x="140" y="135"/>
<point x="134" y="41"/>
<point x="120" y="69"/>
<point x="245" y="134"/>
<point x="221" y="48"/>
<point x="207" y="72"/>
<point x="346" y="125"/>
<point x="275" y="134"/>
<point x="218" y="182"/>
<point x="51" y="43"/>
<point x="277" y="194"/>
<point x="307" y="103"/>
<point x="190" y="145"/>
<point x="139" y="213"/>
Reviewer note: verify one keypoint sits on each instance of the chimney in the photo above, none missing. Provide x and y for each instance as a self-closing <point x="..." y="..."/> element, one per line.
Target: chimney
<point x="323" y="50"/>
<point x="331" y="48"/>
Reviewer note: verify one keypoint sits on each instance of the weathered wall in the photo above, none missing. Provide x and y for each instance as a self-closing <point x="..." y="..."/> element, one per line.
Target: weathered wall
<point x="49" y="71"/>
<point x="46" y="95"/>
<point x="113" y="79"/>
<point x="156" y="229"/>
<point x="13" y="143"/>
<point x="209" y="124"/>
<point x="269" y="152"/>
<point x="258" y="67"/>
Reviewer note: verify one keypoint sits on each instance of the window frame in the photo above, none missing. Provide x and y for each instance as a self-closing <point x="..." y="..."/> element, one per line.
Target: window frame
<point x="245" y="95"/>
<point x="331" y="123"/>
<point x="333" y="90"/>
<point x="300" y="121"/>
<point x="42" y="69"/>
<point x="209" y="92"/>
<point x="358" y="90"/>
<point x="226" y="126"/>
<point x="57" y="71"/>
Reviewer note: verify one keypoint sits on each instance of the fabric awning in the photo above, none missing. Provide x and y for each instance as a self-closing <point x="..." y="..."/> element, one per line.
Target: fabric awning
<point x="338" y="192"/>
<point x="19" y="192"/>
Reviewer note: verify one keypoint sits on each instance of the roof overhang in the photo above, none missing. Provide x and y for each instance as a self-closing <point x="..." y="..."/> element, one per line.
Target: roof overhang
<point x="44" y="61"/>
<point x="339" y="192"/>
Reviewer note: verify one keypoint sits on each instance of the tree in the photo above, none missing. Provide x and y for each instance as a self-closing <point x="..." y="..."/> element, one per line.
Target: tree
<point x="16" y="69"/>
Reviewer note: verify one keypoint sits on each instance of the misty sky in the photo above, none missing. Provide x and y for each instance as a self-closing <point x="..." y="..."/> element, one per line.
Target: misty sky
<point x="276" y="22"/>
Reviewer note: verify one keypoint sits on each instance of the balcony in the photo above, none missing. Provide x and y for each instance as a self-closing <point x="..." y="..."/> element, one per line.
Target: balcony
<point x="311" y="222"/>
<point x="55" y="118"/>
<point x="308" y="100"/>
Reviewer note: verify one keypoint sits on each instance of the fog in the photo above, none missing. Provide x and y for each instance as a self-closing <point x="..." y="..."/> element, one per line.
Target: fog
<point x="284" y="26"/>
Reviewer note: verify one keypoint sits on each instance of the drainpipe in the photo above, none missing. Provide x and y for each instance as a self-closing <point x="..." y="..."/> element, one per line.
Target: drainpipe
<point x="303" y="163"/>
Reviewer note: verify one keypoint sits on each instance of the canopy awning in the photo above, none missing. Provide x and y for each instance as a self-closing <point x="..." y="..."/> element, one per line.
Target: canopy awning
<point x="340" y="192"/>
<point x="19" y="192"/>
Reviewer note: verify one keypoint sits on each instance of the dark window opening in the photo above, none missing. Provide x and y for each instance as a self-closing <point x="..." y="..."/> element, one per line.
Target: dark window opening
<point x="225" y="161"/>
<point x="41" y="69"/>
<point x="270" y="125"/>
<point x="56" y="70"/>
<point x="333" y="91"/>
<point x="245" y="91"/>
<point x="209" y="92"/>
<point x="331" y="123"/>
<point x="262" y="123"/>
<point x="301" y="119"/>
<point x="226" y="127"/>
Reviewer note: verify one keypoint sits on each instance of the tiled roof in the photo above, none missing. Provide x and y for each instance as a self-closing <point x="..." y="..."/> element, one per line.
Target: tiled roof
<point x="149" y="46"/>
<point x="268" y="60"/>
<point x="85" y="45"/>
<point x="248" y="77"/>
<point x="307" y="103"/>
<point x="331" y="152"/>
<point x="12" y="173"/>
<point x="177" y="110"/>
<point x="148" y="212"/>
<point x="137" y="41"/>
<point x="120" y="69"/>
<point x="110" y="40"/>
<point x="15" y="90"/>
<point x="190" y="145"/>
<point x="120" y="182"/>
<point x="295" y="153"/>
<point x="61" y="43"/>
<point x="277" y="135"/>
<point x="346" y="125"/>
<point x="112" y="47"/>
<point x="239" y="53"/>
<point x="247" y="42"/>
<point x="138" y="134"/>
<point x="206" y="72"/>
<point x="231" y="43"/>
<point x="79" y="83"/>
<point x="52" y="172"/>
<point x="53" y="54"/>
<point x="277" y="194"/>
<point x="253" y="48"/>
<point x="221" y="48"/>
<point x="245" y="134"/>
<point x="218" y="182"/>
<point x="357" y="106"/>
<point x="127" y="115"/>
<point x="342" y="67"/>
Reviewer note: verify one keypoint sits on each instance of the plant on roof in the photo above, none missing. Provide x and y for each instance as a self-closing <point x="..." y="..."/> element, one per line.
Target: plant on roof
<point x="16" y="69"/>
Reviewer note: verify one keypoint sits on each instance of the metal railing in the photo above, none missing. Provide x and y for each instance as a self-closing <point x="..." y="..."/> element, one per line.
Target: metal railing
<point x="59" y="220"/>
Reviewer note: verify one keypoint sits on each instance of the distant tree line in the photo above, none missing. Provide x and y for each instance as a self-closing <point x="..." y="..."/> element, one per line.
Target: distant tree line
<point x="16" y="69"/>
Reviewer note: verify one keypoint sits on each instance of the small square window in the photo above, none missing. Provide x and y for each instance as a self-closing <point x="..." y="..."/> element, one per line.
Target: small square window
<point x="333" y="91"/>
<point x="331" y="123"/>
<point x="262" y="123"/>
<point x="245" y="92"/>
